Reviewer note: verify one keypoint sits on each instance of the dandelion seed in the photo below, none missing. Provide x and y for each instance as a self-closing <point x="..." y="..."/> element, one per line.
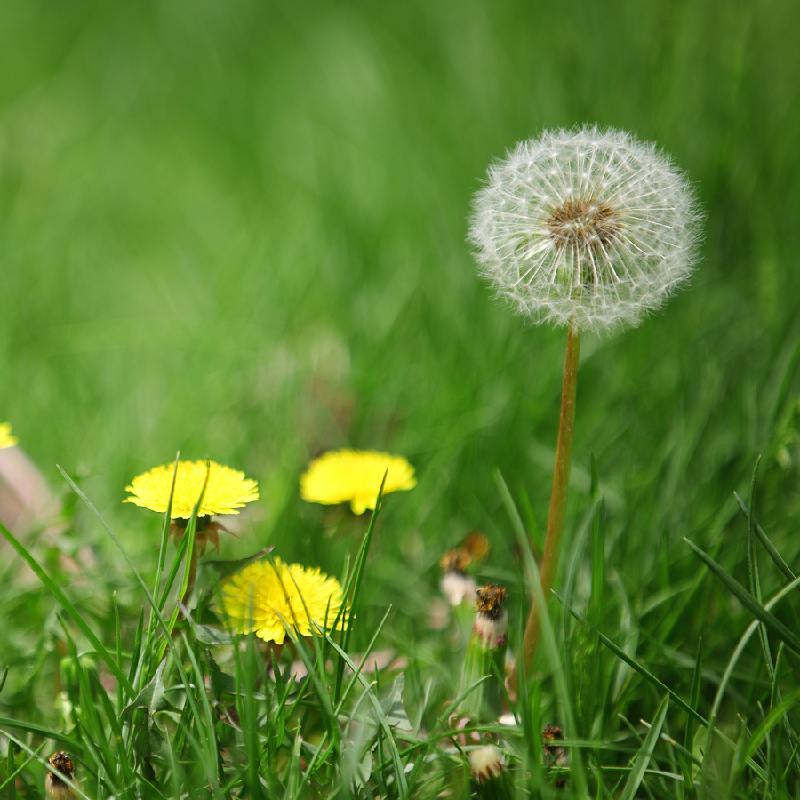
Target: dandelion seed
<point x="354" y="476"/>
<point x="226" y="491"/>
<point x="269" y="597"/>
<point x="588" y="228"/>
<point x="7" y="438"/>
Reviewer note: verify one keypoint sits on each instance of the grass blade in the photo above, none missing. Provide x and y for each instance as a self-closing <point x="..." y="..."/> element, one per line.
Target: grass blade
<point x="747" y="600"/>
<point x="688" y="736"/>
<point x="352" y="587"/>
<point x="38" y="730"/>
<point x="775" y="716"/>
<point x="550" y="649"/>
<point x="645" y="753"/>
<point x="69" y="607"/>
<point x="383" y="722"/>
<point x="766" y="542"/>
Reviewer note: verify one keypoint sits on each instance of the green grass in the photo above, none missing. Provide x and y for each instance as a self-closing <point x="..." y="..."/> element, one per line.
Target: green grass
<point x="238" y="230"/>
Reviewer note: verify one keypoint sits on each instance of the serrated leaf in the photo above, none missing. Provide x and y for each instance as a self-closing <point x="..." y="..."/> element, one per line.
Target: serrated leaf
<point x="393" y="706"/>
<point x="223" y="568"/>
<point x="151" y="696"/>
<point x="210" y="634"/>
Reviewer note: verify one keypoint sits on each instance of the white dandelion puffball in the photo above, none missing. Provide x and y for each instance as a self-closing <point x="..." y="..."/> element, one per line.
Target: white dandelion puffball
<point x="585" y="227"/>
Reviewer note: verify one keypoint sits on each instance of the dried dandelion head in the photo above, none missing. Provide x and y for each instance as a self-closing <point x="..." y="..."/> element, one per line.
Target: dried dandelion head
<point x="491" y="618"/>
<point x="486" y="762"/>
<point x="55" y="784"/>
<point x="589" y="228"/>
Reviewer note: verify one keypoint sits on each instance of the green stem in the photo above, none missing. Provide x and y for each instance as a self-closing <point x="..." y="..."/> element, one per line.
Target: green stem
<point x="485" y="657"/>
<point x="558" y="493"/>
<point x="192" y="577"/>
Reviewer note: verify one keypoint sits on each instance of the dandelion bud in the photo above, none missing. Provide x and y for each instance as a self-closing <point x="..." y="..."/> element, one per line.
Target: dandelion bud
<point x="588" y="228"/>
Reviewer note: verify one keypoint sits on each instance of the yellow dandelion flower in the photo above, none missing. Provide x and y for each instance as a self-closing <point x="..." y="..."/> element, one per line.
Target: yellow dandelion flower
<point x="267" y="597"/>
<point x="355" y="476"/>
<point x="226" y="492"/>
<point x="7" y="439"/>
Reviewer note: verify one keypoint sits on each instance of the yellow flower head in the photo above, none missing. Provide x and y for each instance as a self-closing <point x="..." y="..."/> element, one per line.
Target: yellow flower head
<point x="7" y="439"/>
<point x="226" y="492"/>
<point x="267" y="597"/>
<point x="355" y="476"/>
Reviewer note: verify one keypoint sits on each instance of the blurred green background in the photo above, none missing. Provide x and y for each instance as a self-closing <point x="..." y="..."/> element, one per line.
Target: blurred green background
<point x="238" y="229"/>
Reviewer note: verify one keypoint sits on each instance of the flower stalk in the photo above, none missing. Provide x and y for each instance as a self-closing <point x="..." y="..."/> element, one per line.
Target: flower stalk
<point x="485" y="656"/>
<point x="206" y="532"/>
<point x="482" y="690"/>
<point x="558" y="493"/>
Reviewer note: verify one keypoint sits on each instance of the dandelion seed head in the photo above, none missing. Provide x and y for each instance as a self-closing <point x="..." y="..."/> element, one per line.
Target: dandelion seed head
<point x="586" y="227"/>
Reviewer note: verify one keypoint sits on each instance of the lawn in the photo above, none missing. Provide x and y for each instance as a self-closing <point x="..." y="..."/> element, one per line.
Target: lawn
<point x="239" y="231"/>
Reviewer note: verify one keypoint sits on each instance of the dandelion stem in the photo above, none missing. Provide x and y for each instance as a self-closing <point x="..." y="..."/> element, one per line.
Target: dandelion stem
<point x="192" y="577"/>
<point x="558" y="493"/>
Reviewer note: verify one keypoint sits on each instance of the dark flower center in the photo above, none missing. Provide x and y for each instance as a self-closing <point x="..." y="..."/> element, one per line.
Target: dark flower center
<point x="583" y="223"/>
